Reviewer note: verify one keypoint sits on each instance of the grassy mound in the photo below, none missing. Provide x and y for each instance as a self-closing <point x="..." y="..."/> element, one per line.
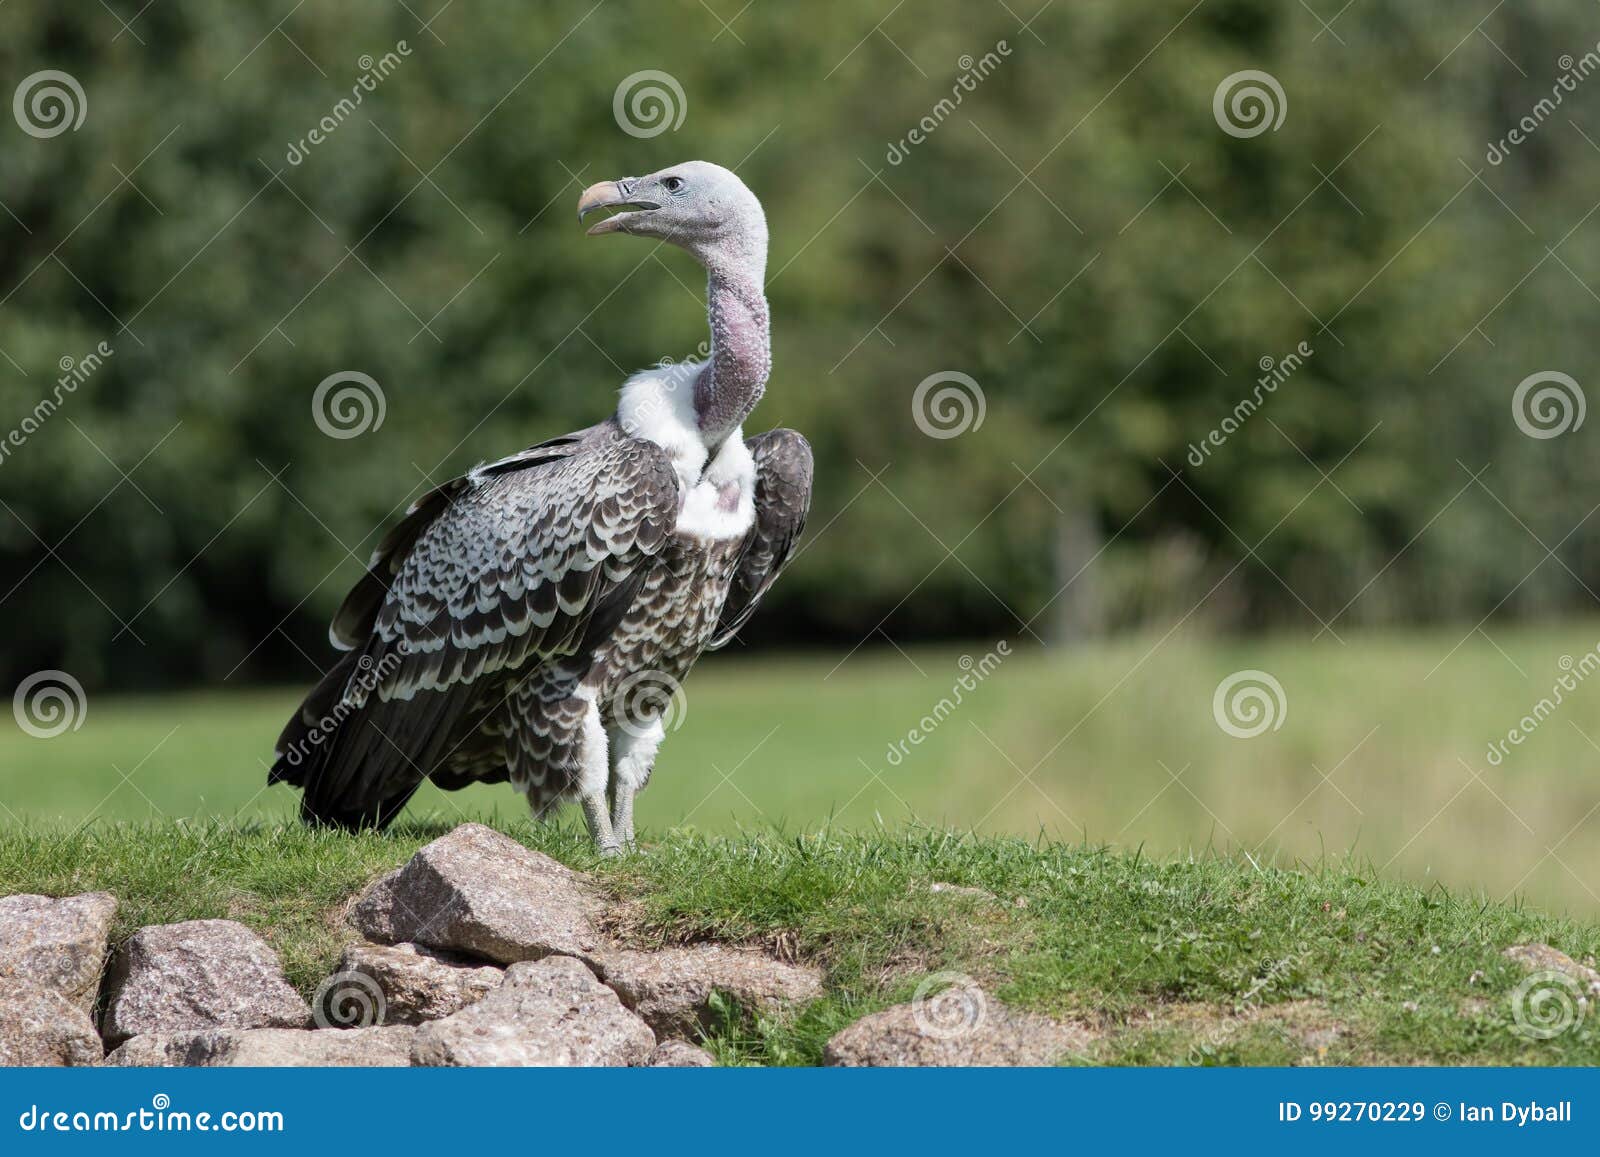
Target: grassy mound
<point x="1205" y="961"/>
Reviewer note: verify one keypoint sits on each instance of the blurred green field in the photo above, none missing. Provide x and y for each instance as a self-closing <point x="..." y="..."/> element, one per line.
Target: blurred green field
<point x="1382" y="750"/>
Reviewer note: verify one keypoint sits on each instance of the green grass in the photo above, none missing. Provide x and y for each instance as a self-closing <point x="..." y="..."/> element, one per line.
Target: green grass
<point x="1212" y="960"/>
<point x="1110" y="743"/>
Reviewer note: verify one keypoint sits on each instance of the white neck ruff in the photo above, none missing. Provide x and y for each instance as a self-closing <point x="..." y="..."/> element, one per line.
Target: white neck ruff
<point x="716" y="498"/>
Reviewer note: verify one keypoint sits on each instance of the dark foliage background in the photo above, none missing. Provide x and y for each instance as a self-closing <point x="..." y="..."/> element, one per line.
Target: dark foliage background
<point x="1078" y="236"/>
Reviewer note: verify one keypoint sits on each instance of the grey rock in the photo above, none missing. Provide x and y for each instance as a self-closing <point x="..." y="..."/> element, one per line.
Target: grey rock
<point x="40" y="1026"/>
<point x="196" y="975"/>
<point x="548" y="1012"/>
<point x="376" y="1047"/>
<point x="1543" y="958"/>
<point x="680" y="1054"/>
<point x="56" y="944"/>
<point x="411" y="984"/>
<point x="671" y="989"/>
<point x="482" y="893"/>
<point x="960" y="1027"/>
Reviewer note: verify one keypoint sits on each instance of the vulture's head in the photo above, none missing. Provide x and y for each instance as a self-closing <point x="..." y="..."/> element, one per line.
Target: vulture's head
<point x="696" y="206"/>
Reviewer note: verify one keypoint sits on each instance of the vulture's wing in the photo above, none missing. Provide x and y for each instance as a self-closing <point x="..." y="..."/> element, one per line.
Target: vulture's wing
<point x="783" y="497"/>
<point x="521" y="561"/>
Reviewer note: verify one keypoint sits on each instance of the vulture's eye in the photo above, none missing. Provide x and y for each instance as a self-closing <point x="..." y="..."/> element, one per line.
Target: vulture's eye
<point x="673" y="184"/>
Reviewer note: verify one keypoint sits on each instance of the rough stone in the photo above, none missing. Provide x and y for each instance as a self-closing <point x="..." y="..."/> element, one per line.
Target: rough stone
<point x="961" y="1027"/>
<point x="1543" y="958"/>
<point x="680" y="1054"/>
<point x="413" y="984"/>
<point x="671" y="989"/>
<point x="40" y="1026"/>
<point x="482" y="893"/>
<point x="56" y="944"/>
<point x="548" y="1012"/>
<point x="377" y="1047"/>
<point x="196" y="975"/>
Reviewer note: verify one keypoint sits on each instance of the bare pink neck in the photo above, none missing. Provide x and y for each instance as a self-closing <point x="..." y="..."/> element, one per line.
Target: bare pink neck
<point x="732" y="382"/>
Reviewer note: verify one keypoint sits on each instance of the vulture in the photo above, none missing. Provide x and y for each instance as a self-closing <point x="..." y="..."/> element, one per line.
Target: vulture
<point x="532" y="620"/>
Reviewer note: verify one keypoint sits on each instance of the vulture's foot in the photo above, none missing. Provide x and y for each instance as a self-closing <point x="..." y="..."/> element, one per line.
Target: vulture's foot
<point x="622" y="812"/>
<point x="599" y="821"/>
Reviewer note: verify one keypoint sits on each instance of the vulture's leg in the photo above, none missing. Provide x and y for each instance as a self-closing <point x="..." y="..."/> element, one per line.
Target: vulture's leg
<point x="594" y="771"/>
<point x="634" y="748"/>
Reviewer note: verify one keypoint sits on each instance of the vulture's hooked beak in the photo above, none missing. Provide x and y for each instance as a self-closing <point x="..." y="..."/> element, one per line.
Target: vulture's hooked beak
<point x="612" y="195"/>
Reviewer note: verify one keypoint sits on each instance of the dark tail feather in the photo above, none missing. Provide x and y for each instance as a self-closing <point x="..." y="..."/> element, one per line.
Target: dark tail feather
<point x="302" y="746"/>
<point x="318" y="812"/>
<point x="306" y="746"/>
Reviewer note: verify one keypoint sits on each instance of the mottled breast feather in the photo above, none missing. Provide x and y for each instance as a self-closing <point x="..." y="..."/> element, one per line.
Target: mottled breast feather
<point x="515" y="563"/>
<point x="783" y="498"/>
